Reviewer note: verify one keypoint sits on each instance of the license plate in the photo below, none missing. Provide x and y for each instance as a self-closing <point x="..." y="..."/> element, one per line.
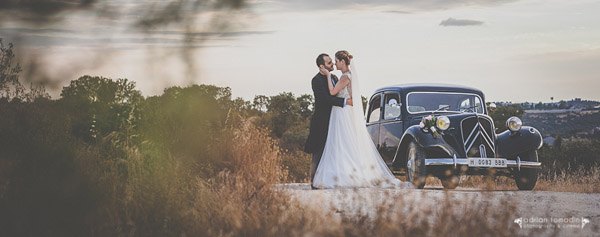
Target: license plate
<point x="486" y="162"/>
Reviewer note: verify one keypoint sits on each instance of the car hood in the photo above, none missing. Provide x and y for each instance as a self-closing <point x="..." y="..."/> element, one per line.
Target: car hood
<point x="467" y="132"/>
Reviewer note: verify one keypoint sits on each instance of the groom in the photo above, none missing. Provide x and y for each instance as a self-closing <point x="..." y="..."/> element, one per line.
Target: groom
<point x="319" y="124"/>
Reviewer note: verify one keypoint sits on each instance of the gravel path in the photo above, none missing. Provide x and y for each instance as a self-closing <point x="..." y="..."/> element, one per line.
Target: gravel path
<point x="555" y="207"/>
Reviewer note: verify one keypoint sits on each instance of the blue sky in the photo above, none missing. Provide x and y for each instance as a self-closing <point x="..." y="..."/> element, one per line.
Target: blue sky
<point x="517" y="51"/>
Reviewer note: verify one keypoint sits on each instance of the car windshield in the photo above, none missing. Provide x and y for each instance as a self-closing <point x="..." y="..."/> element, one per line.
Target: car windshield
<point x="420" y="102"/>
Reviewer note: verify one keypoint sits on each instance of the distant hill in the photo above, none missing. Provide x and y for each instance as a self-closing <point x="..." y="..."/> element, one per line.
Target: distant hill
<point x="576" y="103"/>
<point x="575" y="117"/>
<point x="565" y="123"/>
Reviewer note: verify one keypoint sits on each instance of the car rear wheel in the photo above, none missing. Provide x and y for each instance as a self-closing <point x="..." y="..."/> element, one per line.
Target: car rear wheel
<point x="416" y="171"/>
<point x="526" y="178"/>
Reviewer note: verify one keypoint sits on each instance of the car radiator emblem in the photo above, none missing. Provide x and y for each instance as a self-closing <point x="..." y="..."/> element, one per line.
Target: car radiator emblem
<point x="482" y="151"/>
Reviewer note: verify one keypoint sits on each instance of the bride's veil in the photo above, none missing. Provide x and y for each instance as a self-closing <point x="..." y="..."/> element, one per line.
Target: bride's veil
<point x="357" y="107"/>
<point x="367" y="147"/>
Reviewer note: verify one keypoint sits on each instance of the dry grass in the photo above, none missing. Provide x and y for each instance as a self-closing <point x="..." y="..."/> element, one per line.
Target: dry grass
<point x="487" y="183"/>
<point x="297" y="163"/>
<point x="579" y="181"/>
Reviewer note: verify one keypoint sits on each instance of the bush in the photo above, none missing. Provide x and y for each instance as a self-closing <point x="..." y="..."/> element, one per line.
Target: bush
<point x="570" y="155"/>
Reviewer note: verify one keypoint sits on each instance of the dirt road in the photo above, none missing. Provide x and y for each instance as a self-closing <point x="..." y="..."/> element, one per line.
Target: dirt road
<point x="560" y="211"/>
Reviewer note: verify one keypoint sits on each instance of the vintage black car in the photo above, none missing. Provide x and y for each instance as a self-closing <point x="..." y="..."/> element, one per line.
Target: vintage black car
<point x="461" y="141"/>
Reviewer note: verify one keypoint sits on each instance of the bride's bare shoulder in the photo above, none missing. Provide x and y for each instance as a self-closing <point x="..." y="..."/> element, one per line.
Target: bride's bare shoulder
<point x="346" y="76"/>
<point x="345" y="80"/>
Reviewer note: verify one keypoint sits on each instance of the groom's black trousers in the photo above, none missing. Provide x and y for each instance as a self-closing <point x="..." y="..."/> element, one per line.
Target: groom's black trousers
<point x="316" y="158"/>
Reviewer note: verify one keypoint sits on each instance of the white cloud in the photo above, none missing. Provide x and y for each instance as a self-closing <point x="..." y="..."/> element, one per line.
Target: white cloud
<point x="460" y="22"/>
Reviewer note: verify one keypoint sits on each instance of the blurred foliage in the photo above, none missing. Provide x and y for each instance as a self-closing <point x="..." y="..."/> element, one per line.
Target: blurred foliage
<point x="11" y="86"/>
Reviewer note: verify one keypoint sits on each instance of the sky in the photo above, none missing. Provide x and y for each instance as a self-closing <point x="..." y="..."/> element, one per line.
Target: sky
<point x="513" y="50"/>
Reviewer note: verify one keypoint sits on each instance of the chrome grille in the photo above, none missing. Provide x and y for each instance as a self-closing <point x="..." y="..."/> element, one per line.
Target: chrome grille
<point x="478" y="136"/>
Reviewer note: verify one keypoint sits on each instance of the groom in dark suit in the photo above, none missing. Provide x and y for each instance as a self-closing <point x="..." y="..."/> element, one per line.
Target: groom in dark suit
<point x="319" y="124"/>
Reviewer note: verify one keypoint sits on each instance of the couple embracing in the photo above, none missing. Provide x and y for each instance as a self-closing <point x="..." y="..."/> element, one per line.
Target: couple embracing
<point x="343" y="154"/>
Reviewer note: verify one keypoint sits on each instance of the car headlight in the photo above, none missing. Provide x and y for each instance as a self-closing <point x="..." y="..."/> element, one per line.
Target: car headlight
<point x="514" y="124"/>
<point x="442" y="123"/>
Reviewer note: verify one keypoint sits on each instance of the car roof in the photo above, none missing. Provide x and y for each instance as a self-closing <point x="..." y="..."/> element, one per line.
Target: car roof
<point x="430" y="87"/>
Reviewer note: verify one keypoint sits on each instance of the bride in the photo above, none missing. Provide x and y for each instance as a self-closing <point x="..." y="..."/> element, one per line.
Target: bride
<point x="350" y="158"/>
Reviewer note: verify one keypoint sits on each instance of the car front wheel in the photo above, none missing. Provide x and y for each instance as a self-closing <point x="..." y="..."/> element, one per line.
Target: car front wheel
<point x="416" y="171"/>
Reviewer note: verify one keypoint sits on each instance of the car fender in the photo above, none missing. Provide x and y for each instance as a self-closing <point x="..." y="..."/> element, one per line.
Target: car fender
<point x="510" y="144"/>
<point x="434" y="147"/>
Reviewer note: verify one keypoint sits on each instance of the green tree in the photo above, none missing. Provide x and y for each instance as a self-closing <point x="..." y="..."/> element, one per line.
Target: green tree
<point x="539" y="106"/>
<point x="185" y="121"/>
<point x="240" y="107"/>
<point x="260" y="103"/>
<point x="285" y="112"/>
<point x="103" y="106"/>
<point x="563" y="105"/>
<point x="306" y="103"/>
<point x="10" y="87"/>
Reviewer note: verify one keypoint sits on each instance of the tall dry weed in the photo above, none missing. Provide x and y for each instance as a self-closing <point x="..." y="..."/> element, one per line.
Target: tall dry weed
<point x="580" y="181"/>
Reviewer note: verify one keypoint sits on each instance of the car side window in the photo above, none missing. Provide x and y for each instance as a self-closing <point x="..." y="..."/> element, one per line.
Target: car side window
<point x="374" y="109"/>
<point x="392" y="106"/>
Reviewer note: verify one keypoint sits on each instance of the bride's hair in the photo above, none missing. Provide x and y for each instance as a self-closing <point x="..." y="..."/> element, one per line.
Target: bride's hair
<point x="343" y="55"/>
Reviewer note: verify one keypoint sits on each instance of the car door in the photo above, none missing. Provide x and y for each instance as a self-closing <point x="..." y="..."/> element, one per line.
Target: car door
<point x="391" y="125"/>
<point x="374" y="117"/>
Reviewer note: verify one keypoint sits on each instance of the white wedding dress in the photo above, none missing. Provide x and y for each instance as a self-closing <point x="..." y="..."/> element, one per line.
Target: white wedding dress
<point x="350" y="159"/>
